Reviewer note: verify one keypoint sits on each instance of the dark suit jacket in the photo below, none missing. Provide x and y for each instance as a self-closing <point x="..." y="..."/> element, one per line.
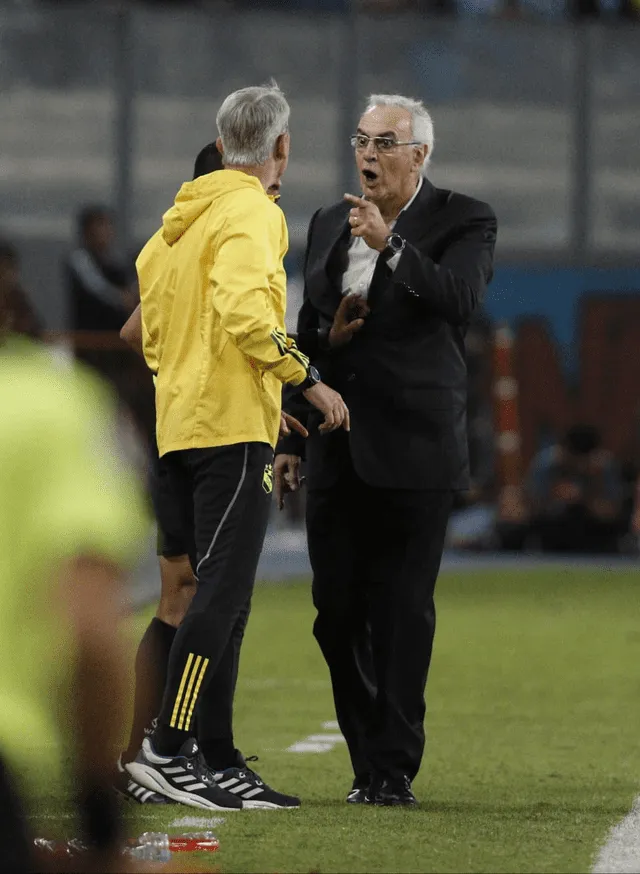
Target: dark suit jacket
<point x="403" y="376"/>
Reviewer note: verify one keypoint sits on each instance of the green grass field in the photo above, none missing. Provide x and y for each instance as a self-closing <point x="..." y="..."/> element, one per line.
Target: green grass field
<point x="532" y="723"/>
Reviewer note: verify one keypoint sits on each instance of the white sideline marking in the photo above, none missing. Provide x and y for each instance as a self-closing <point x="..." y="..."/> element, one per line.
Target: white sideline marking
<point x="197" y="822"/>
<point x="303" y="746"/>
<point x="325" y="738"/>
<point x="621" y="853"/>
<point x="318" y="743"/>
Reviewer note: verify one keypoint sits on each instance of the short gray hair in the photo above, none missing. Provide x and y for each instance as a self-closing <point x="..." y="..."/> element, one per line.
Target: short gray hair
<point x="421" y="121"/>
<point x="249" y="123"/>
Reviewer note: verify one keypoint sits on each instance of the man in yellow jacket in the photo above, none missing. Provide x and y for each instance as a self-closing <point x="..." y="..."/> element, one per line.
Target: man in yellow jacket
<point x="213" y="296"/>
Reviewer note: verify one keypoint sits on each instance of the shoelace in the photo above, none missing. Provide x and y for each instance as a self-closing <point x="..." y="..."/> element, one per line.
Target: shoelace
<point x="201" y="769"/>
<point x="250" y="772"/>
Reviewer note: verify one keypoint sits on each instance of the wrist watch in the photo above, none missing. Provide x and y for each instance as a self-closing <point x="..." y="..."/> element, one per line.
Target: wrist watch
<point x="312" y="378"/>
<point x="395" y="246"/>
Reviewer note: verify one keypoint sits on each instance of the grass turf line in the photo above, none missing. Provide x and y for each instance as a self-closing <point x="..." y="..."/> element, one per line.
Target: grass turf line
<point x="532" y="750"/>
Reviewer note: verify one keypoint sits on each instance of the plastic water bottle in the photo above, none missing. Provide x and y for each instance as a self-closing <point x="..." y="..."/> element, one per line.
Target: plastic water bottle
<point x="151" y="847"/>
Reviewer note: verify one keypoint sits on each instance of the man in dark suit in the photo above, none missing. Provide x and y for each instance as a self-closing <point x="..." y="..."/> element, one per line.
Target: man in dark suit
<point x="391" y="281"/>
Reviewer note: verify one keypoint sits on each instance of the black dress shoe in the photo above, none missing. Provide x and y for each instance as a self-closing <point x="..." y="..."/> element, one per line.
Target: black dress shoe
<point x="359" y="792"/>
<point x="391" y="792"/>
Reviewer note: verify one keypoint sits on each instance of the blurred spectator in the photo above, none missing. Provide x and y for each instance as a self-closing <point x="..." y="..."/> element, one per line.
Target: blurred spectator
<point x="101" y="288"/>
<point x="18" y="315"/>
<point x="575" y="494"/>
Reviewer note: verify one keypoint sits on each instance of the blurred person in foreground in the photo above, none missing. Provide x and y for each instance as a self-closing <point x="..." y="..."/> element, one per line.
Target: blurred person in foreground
<point x="71" y="519"/>
<point x="213" y="297"/>
<point x="19" y="314"/>
<point x="101" y="289"/>
<point x="178" y="583"/>
<point x="392" y="279"/>
<point x="575" y="495"/>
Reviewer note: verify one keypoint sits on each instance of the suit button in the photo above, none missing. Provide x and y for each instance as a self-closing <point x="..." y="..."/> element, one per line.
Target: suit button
<point x="351" y="377"/>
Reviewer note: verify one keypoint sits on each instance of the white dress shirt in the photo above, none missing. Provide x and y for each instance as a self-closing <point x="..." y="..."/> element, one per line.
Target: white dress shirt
<point x="361" y="262"/>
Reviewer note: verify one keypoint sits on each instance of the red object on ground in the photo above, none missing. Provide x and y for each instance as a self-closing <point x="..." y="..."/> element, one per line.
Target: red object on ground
<point x="193" y="843"/>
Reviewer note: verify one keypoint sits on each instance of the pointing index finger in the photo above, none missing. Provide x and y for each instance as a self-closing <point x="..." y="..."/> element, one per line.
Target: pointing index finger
<point x="358" y="201"/>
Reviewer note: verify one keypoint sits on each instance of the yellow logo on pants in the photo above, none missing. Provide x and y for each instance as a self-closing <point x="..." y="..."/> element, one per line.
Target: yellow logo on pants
<point x="267" y="478"/>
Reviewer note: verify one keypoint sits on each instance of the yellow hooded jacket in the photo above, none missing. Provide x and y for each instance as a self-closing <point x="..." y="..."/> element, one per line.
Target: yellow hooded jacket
<point x="213" y="299"/>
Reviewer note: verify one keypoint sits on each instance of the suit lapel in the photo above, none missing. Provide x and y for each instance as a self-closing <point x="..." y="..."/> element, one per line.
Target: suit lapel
<point x="325" y="279"/>
<point x="411" y="224"/>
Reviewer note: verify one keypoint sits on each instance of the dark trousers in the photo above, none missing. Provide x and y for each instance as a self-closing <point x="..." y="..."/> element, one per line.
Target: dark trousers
<point x="375" y="555"/>
<point x="230" y="488"/>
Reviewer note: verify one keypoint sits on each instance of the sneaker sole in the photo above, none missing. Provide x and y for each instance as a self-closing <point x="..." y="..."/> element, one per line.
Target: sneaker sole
<point x="268" y="805"/>
<point x="149" y="778"/>
<point x="136" y="796"/>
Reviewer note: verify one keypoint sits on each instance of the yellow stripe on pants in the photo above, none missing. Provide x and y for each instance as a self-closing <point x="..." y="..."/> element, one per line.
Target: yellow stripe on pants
<point x="195" y="694"/>
<point x="176" y="706"/>
<point x="187" y="695"/>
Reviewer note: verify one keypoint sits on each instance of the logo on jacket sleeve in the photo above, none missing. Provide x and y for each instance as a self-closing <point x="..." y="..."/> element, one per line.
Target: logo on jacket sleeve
<point x="267" y="478"/>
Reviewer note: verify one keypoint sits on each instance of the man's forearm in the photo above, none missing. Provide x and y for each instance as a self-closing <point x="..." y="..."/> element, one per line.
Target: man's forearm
<point x="131" y="331"/>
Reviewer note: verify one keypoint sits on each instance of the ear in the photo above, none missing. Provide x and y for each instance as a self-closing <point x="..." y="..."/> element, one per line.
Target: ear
<point x="421" y="153"/>
<point x="219" y="145"/>
<point x="281" y="148"/>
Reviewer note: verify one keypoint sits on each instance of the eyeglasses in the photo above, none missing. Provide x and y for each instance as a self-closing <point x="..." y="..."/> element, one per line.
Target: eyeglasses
<point x="380" y="144"/>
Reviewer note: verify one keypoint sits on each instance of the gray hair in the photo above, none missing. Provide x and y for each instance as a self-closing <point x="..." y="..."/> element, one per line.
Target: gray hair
<point x="249" y="123"/>
<point x="421" y="121"/>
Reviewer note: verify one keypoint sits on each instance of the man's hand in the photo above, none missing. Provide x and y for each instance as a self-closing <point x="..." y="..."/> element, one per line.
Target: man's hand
<point x="348" y="320"/>
<point x="286" y="473"/>
<point x="290" y="423"/>
<point x="366" y="221"/>
<point x="331" y="405"/>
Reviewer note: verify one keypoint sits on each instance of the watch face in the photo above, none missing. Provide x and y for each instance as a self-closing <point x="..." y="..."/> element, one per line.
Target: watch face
<point x="314" y="374"/>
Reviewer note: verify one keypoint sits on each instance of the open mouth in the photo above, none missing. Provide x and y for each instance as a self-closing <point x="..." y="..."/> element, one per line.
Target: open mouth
<point x="370" y="175"/>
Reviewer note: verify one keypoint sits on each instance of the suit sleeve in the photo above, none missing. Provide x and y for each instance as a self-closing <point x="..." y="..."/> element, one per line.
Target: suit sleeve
<point x="308" y="340"/>
<point x="240" y="281"/>
<point x="455" y="286"/>
<point x="307" y="324"/>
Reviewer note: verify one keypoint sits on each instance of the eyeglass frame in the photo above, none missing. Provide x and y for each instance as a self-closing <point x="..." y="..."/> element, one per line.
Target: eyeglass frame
<point x="355" y="137"/>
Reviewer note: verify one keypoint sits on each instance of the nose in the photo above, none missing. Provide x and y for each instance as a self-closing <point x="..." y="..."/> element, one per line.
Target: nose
<point x="370" y="152"/>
